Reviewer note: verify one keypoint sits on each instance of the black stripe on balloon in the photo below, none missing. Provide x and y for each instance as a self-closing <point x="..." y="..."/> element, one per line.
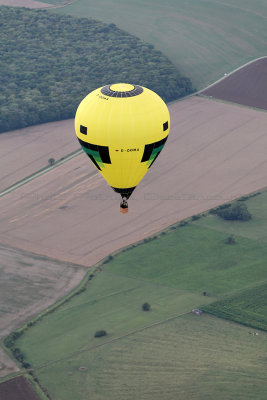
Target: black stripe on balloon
<point x="103" y="150"/>
<point x="154" y="160"/>
<point x="149" y="148"/>
<point x="83" y="130"/>
<point x="94" y="161"/>
<point x="165" y="126"/>
<point x="88" y="145"/>
<point x="147" y="152"/>
<point x="161" y="142"/>
<point x="104" y="154"/>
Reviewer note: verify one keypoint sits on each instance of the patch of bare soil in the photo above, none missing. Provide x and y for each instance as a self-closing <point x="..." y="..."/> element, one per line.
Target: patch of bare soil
<point x="246" y="86"/>
<point x="7" y="366"/>
<point x="17" y="389"/>
<point x="29" y="283"/>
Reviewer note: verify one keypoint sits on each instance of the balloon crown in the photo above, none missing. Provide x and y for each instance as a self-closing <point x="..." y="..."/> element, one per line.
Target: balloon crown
<point x="122" y="90"/>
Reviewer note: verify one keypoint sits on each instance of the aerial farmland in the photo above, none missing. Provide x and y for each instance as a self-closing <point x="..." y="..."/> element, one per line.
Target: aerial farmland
<point x="73" y="266"/>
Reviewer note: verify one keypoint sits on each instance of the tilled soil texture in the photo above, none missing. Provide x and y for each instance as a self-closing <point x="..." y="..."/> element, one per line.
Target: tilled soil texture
<point x="29" y="283"/>
<point x="25" y="151"/>
<point x="7" y="366"/>
<point x="17" y="389"/>
<point x="246" y="86"/>
<point x="215" y="153"/>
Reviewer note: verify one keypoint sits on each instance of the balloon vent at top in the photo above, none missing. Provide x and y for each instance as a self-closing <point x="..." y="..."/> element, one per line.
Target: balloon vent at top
<point x="121" y="90"/>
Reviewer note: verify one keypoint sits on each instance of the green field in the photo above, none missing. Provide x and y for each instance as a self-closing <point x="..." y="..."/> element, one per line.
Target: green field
<point x="167" y="352"/>
<point x="110" y="303"/>
<point x="204" y="39"/>
<point x="195" y="258"/>
<point x="187" y="358"/>
<point x="248" y="306"/>
<point x="256" y="228"/>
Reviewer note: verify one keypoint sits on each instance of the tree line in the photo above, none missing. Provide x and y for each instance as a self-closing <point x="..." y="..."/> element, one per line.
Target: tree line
<point x="50" y="62"/>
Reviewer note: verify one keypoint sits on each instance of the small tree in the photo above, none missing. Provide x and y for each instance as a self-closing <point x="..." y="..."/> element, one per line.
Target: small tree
<point x="51" y="161"/>
<point x="230" y="240"/>
<point x="26" y="365"/>
<point x="146" y="307"/>
<point x="100" y="333"/>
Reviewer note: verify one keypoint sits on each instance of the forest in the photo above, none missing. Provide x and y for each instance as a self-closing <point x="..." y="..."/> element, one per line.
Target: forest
<point x="50" y="62"/>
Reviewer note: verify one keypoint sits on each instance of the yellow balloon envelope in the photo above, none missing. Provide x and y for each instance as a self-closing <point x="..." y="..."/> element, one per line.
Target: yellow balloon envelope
<point x="122" y="128"/>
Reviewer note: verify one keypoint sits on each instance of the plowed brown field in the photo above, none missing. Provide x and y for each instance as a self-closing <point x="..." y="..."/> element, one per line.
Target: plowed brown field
<point x="215" y="152"/>
<point x="17" y="389"/>
<point x="247" y="86"/>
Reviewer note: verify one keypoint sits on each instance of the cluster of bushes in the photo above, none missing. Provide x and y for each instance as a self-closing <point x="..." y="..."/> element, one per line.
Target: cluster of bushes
<point x="50" y="62"/>
<point x="249" y="196"/>
<point x="233" y="211"/>
<point x="9" y="342"/>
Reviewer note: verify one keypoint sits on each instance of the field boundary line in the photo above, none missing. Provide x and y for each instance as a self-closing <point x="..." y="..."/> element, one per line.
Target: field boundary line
<point x="228" y="74"/>
<point x="237" y="235"/>
<point x="40" y="172"/>
<point x="51" y="6"/>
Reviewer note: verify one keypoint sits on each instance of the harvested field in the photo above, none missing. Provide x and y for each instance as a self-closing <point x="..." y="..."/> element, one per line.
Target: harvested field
<point x="7" y="366"/>
<point x="216" y="152"/>
<point x="246" y="86"/>
<point x="27" y="150"/>
<point x="17" y="389"/>
<point x="30" y="283"/>
<point x="24" y="3"/>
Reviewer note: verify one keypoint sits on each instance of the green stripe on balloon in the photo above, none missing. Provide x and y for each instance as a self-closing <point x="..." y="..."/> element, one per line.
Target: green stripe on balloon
<point x="154" y="154"/>
<point x="95" y="154"/>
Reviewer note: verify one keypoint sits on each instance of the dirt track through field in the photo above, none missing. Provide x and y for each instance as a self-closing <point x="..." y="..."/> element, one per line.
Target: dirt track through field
<point x="216" y="152"/>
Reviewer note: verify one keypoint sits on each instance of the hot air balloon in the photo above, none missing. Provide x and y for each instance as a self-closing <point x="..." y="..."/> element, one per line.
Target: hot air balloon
<point x="122" y="128"/>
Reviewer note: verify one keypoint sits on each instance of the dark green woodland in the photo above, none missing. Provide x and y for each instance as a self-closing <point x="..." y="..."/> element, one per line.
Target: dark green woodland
<point x="50" y="62"/>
